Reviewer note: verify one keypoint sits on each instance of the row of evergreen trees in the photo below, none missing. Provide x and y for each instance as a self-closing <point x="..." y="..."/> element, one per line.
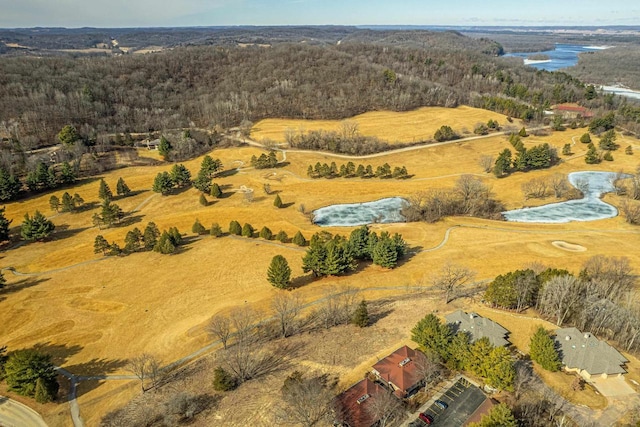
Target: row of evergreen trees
<point x="350" y="170"/>
<point x="539" y="157"/>
<point x="330" y="255"/>
<point x="166" y="242"/>
<point x="247" y="230"/>
<point x="42" y="178"/>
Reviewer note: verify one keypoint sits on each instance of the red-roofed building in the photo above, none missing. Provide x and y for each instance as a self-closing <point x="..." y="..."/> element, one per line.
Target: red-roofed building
<point x="572" y="111"/>
<point x="481" y="411"/>
<point x="353" y="407"/>
<point x="401" y="370"/>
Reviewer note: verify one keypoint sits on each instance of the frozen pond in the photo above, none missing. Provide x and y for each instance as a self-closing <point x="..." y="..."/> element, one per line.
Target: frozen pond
<point x="590" y="208"/>
<point x="351" y="214"/>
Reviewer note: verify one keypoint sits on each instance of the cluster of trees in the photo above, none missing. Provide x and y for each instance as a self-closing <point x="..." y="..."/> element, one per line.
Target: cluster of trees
<point x="600" y="300"/>
<point x="347" y="141"/>
<point x="66" y="203"/>
<point x="469" y="197"/>
<point x="630" y="206"/>
<point x="445" y="133"/>
<point x="178" y="177"/>
<point x="264" y="161"/>
<point x="495" y="364"/>
<point x="29" y="373"/>
<point x="208" y="169"/>
<point x="151" y="239"/>
<point x="556" y="185"/>
<point x="330" y="255"/>
<point x="538" y="157"/>
<point x="350" y="170"/>
<point x="484" y="129"/>
<point x="42" y="178"/>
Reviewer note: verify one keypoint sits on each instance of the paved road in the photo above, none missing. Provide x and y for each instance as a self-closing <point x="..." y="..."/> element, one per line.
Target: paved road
<point x="15" y="414"/>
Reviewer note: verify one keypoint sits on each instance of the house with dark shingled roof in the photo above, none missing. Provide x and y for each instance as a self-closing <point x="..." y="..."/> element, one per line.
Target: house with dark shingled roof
<point x="477" y="327"/>
<point x="587" y="355"/>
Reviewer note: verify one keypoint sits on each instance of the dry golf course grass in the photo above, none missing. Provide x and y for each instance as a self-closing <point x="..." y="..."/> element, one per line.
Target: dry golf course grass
<point x="93" y="313"/>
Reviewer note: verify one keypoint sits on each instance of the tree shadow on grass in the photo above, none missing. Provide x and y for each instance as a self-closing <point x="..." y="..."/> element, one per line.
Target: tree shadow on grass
<point x="129" y="220"/>
<point x="64" y="231"/>
<point x="87" y="207"/>
<point x="301" y="281"/>
<point x="21" y="285"/>
<point x="410" y="253"/>
<point x="286" y="205"/>
<point x="59" y="353"/>
<point x="227" y="173"/>
<point x="97" y="367"/>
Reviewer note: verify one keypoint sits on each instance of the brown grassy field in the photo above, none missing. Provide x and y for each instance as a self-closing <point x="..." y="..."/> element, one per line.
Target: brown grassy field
<point x="93" y="313"/>
<point x="393" y="127"/>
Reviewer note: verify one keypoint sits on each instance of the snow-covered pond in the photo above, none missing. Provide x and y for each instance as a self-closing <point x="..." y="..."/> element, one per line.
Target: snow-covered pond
<point x="590" y="208"/>
<point x="352" y="214"/>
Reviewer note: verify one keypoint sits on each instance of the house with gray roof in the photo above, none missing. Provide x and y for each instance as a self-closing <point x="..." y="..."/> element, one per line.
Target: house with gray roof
<point x="587" y="355"/>
<point x="477" y="327"/>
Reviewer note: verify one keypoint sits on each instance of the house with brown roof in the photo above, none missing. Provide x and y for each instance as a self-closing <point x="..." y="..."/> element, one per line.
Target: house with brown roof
<point x="354" y="407"/>
<point x="401" y="370"/>
<point x="572" y="111"/>
<point x="587" y="355"/>
<point x="477" y="327"/>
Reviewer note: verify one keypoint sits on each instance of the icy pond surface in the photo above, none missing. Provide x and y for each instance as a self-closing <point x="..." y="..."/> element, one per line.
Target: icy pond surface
<point x="351" y="214"/>
<point x="590" y="208"/>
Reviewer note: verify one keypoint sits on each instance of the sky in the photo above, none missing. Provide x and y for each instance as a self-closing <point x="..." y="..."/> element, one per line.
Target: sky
<point x="169" y="13"/>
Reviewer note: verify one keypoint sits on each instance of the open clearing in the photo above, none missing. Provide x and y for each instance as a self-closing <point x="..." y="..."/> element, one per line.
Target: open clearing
<point x="393" y="127"/>
<point x="93" y="313"/>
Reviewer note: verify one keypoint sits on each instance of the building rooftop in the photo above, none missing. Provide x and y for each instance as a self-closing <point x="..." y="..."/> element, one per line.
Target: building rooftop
<point x="586" y="352"/>
<point x="478" y="327"/>
<point x="353" y="406"/>
<point x="401" y="368"/>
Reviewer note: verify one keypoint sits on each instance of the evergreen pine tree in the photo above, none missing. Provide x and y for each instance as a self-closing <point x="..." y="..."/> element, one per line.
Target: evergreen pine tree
<point x="104" y="192"/>
<point x="67" y="203"/>
<point x="359" y="240"/>
<point x="523" y="133"/>
<point x="198" y="228"/>
<point x="77" y="201"/>
<point x="133" y="240"/>
<point x="100" y="244"/>
<point x="216" y="191"/>
<point x="361" y="315"/>
<point x="543" y="350"/>
<point x="299" y="239"/>
<point x="150" y="236"/>
<point x="54" y="202"/>
<point x="4" y="225"/>
<point x="608" y="156"/>
<point x="122" y="189"/>
<point x="9" y="185"/>
<point x="42" y="395"/>
<point x="592" y="156"/>
<point x="67" y="174"/>
<point x="628" y="150"/>
<point x="162" y="183"/>
<point x="164" y="148"/>
<point x="215" y="230"/>
<point x="203" y="200"/>
<point x="266" y="233"/>
<point x="247" y="230"/>
<point x="37" y="227"/>
<point x="282" y="236"/>
<point x="235" y="228"/>
<point x="279" y="272"/>
<point x="277" y="202"/>
<point x="585" y="138"/>
<point x="180" y="176"/>
<point x="384" y="253"/>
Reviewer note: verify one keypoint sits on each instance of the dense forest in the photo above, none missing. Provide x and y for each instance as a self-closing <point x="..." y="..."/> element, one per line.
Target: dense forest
<point x="205" y="86"/>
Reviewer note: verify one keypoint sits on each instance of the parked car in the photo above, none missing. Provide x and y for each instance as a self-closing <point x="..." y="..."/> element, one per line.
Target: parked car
<point x="425" y="417"/>
<point x="442" y="405"/>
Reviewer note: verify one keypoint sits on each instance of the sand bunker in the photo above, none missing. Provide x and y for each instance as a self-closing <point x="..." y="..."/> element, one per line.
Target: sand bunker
<point x="561" y="244"/>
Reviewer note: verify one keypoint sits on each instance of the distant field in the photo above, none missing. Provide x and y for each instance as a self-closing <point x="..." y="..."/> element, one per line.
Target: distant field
<point x="94" y="316"/>
<point x="393" y="127"/>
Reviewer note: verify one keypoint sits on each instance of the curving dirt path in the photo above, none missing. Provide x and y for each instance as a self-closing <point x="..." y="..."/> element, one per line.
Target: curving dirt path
<point x="15" y="414"/>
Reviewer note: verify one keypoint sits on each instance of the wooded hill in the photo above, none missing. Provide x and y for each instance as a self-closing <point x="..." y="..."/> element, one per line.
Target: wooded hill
<point x="205" y="86"/>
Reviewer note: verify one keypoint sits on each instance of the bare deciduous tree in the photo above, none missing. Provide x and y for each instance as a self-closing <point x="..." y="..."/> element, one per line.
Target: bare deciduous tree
<point x="535" y="188"/>
<point x="145" y="367"/>
<point x="450" y="278"/>
<point x="385" y="407"/>
<point x="287" y="308"/>
<point x="613" y="277"/>
<point x="561" y="297"/>
<point x="220" y="327"/>
<point x="486" y="163"/>
<point x="631" y="211"/>
<point x="244" y="322"/>
<point x="306" y="400"/>
<point x="560" y="184"/>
